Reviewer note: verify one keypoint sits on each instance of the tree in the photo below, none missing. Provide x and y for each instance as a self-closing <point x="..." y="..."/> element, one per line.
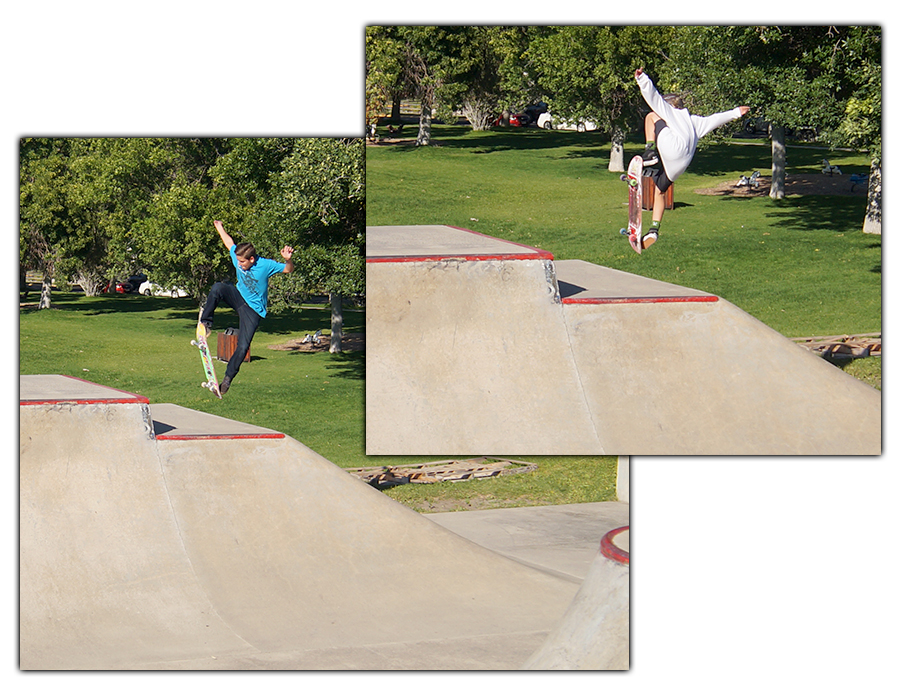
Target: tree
<point x="587" y="73"/>
<point x="433" y="64"/>
<point x="94" y="206"/>
<point x="43" y="211"/>
<point x="860" y="126"/>
<point x="384" y="71"/>
<point x="317" y="204"/>
<point x="171" y="233"/>
<point x="789" y="76"/>
<point x="491" y="74"/>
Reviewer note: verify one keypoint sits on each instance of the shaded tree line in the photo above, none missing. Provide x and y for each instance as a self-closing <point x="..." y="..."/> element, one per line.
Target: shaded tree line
<point x="825" y="77"/>
<point x="94" y="209"/>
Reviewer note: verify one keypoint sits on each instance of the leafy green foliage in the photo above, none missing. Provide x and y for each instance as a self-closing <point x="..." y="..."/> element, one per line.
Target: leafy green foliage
<point x="97" y="208"/>
<point x="587" y="73"/>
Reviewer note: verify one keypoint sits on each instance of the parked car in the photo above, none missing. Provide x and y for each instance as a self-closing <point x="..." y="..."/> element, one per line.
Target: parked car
<point x="125" y="286"/>
<point x="546" y="120"/>
<point x="512" y="120"/>
<point x="147" y="288"/>
<point x="533" y="112"/>
<point x="527" y="117"/>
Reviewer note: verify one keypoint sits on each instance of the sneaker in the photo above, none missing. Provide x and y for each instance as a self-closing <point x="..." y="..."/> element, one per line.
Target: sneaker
<point x="226" y="382"/>
<point x="650" y="156"/>
<point x="649" y="239"/>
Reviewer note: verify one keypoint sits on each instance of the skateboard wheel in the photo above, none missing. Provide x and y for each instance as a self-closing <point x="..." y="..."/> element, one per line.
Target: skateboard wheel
<point x="624" y="177"/>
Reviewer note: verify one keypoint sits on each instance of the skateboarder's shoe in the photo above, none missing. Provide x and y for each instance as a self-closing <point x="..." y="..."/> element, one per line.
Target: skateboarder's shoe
<point x="649" y="239"/>
<point x="223" y="387"/>
<point x="650" y="156"/>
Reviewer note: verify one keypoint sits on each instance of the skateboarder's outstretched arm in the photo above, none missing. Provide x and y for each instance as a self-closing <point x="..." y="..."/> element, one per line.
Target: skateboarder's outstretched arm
<point x="286" y="254"/>
<point x="226" y="238"/>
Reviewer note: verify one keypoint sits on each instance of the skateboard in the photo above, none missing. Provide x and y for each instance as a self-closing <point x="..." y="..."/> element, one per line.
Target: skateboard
<point x="200" y="341"/>
<point x="633" y="179"/>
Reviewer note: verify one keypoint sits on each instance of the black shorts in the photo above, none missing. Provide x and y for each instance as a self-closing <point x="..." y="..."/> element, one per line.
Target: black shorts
<point x="659" y="177"/>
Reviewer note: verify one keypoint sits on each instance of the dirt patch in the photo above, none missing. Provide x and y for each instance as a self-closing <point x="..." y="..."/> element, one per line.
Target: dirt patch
<point x="474" y="503"/>
<point x="803" y="184"/>
<point x="351" y="342"/>
<point x="390" y="140"/>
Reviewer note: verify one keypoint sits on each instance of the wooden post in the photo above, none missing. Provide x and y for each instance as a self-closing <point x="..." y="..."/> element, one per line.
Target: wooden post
<point x="226" y="345"/>
<point x="648" y="187"/>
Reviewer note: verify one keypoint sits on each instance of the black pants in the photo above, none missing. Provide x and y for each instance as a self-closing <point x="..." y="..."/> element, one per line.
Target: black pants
<point x="228" y="294"/>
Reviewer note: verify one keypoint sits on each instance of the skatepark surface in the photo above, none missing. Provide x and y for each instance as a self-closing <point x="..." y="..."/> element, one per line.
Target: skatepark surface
<point x="158" y="537"/>
<point x="476" y="346"/>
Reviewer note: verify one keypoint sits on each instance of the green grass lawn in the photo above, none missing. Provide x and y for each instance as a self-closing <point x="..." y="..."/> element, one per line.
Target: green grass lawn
<point x="800" y="265"/>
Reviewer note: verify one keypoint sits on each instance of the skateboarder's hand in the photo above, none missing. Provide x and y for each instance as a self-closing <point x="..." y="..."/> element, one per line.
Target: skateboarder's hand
<point x="744" y="110"/>
<point x="287" y="252"/>
<point x="638" y="73"/>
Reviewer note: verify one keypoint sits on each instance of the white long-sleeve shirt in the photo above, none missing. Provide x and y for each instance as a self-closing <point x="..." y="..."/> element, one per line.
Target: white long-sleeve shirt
<point x="677" y="143"/>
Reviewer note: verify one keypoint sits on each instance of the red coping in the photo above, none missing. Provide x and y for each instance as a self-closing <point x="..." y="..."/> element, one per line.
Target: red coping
<point x="246" y="436"/>
<point x="638" y="300"/>
<point x="531" y="254"/>
<point x="128" y="397"/>
<point x="610" y="550"/>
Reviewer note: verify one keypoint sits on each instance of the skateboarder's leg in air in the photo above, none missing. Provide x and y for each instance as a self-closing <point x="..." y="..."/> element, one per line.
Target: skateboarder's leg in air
<point x="228" y="294"/>
<point x="653" y="126"/>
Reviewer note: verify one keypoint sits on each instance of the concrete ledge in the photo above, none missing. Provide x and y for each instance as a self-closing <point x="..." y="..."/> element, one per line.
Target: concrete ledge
<point x="171" y="422"/>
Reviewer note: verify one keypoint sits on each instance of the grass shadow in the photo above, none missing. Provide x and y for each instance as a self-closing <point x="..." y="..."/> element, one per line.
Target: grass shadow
<point x="109" y="303"/>
<point x="506" y="139"/>
<point x="830" y="213"/>
<point x="710" y="161"/>
<point x="348" y="365"/>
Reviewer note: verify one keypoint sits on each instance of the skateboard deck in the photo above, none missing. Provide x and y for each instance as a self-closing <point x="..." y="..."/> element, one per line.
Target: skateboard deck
<point x="200" y="341"/>
<point x="635" y="197"/>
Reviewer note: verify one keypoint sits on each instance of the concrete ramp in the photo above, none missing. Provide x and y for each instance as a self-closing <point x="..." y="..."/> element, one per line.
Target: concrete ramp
<point x="210" y="549"/>
<point x="480" y="346"/>
<point x="594" y="634"/>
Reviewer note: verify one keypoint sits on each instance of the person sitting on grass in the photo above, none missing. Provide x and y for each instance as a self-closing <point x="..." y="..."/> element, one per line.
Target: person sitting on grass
<point x="249" y="298"/>
<point x="672" y="134"/>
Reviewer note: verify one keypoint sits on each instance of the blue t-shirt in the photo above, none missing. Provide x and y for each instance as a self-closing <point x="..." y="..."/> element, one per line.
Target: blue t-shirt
<point x="254" y="284"/>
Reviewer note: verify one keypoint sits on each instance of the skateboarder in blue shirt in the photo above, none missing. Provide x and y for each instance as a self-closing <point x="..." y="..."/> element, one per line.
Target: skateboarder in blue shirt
<point x="249" y="298"/>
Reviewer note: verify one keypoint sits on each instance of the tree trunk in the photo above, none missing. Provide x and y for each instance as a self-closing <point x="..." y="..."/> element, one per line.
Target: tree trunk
<point x="337" y="323"/>
<point x="478" y="114"/>
<point x="617" y="150"/>
<point x="46" y="284"/>
<point x="89" y="283"/>
<point x="779" y="158"/>
<point x="395" y="110"/>
<point x="424" y="137"/>
<point x="872" y="224"/>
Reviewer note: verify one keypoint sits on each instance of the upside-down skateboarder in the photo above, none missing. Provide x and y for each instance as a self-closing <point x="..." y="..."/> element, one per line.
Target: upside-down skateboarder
<point x="672" y="134"/>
